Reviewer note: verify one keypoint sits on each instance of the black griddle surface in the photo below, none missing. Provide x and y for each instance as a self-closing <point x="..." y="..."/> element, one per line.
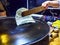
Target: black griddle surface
<point x="25" y="34"/>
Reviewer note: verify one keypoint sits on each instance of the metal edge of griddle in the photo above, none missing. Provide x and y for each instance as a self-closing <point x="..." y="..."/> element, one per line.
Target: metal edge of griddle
<point x="6" y="17"/>
<point x="35" y="41"/>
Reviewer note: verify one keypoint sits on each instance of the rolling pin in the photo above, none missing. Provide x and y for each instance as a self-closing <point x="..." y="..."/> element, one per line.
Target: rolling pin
<point x="24" y="12"/>
<point x="34" y="10"/>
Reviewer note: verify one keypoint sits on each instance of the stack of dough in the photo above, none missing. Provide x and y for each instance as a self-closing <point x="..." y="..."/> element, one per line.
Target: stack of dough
<point x="54" y="37"/>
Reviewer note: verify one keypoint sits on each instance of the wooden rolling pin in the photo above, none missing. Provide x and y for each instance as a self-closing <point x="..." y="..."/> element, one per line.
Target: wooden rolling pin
<point x="34" y="10"/>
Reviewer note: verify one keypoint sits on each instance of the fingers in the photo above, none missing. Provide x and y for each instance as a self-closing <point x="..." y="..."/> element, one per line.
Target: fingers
<point x="45" y="4"/>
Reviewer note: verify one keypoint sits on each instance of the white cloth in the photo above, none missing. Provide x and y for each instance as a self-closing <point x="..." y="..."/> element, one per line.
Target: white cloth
<point x="22" y="20"/>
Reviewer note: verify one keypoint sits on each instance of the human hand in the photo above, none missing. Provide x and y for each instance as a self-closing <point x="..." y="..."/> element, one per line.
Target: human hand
<point x="45" y="4"/>
<point x="54" y="4"/>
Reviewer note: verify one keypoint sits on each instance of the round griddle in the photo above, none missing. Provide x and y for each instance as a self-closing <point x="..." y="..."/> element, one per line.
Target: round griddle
<point x="24" y="34"/>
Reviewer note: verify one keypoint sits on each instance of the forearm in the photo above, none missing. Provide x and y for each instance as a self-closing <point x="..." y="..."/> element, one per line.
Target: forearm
<point x="54" y="4"/>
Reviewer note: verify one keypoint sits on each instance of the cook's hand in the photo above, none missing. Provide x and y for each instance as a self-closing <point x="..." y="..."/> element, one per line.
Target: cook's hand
<point x="54" y="4"/>
<point x="45" y="4"/>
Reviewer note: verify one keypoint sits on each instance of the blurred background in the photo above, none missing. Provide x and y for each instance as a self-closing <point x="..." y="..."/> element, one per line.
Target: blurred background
<point x="51" y="15"/>
<point x="11" y="6"/>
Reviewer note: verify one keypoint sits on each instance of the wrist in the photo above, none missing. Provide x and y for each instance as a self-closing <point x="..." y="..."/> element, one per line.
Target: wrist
<point x="49" y="3"/>
<point x="54" y="4"/>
